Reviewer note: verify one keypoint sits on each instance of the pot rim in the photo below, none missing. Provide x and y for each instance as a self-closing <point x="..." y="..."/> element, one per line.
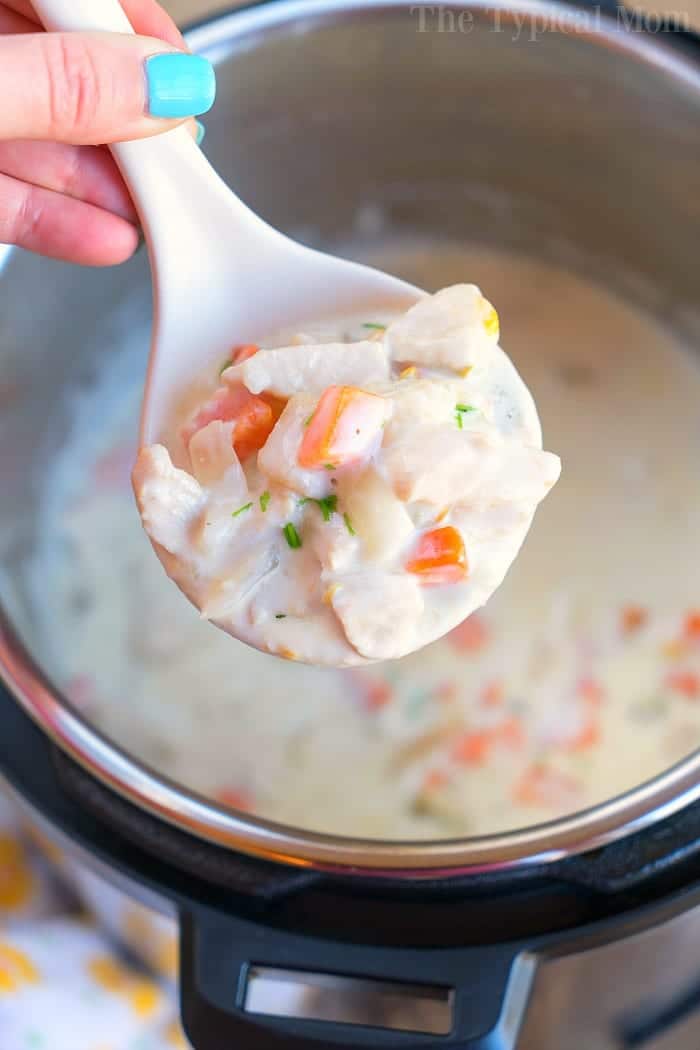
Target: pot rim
<point x="636" y="809"/>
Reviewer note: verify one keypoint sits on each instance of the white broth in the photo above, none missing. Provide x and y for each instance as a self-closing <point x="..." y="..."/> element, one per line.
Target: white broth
<point x="580" y="678"/>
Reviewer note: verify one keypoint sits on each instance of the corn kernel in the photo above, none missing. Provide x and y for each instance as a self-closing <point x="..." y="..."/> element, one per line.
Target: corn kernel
<point x="330" y="593"/>
<point x="675" y="649"/>
<point x="489" y="318"/>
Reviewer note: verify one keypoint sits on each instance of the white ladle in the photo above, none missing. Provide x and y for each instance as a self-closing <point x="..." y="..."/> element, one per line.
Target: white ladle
<point x="220" y="274"/>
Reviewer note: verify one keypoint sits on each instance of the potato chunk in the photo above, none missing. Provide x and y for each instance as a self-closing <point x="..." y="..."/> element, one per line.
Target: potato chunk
<point x="380" y="521"/>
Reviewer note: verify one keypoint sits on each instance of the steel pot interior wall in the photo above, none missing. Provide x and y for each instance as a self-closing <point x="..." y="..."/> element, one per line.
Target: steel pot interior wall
<point x="348" y="120"/>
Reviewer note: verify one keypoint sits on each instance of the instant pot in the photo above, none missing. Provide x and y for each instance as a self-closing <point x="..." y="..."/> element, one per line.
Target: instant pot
<point x="569" y="132"/>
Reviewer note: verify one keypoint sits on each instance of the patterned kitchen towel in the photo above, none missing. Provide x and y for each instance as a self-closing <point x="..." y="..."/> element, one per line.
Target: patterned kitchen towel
<point x="64" y="984"/>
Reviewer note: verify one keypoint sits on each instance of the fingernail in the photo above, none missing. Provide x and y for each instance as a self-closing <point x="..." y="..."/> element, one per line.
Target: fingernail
<point x="201" y="132"/>
<point x="179" y="85"/>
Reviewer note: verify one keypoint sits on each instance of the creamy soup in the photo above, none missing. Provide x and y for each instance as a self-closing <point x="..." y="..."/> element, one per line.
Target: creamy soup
<point x="352" y="496"/>
<point x="579" y="679"/>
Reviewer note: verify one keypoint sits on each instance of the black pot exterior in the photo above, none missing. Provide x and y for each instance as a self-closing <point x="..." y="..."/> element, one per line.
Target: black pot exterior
<point x="477" y="936"/>
<point x="474" y="935"/>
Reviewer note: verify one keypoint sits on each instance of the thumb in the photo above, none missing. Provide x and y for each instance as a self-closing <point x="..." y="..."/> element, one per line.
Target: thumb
<point x="94" y="88"/>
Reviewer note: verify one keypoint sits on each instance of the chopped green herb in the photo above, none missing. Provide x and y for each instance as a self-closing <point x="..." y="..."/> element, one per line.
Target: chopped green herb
<point x="264" y="501"/>
<point x="377" y="327"/>
<point x="308" y="419"/>
<point x="329" y="466"/>
<point x="226" y="364"/>
<point x="460" y="411"/>
<point x="292" y="536"/>
<point x="241" y="510"/>
<point x="280" y="616"/>
<point x="348" y="524"/>
<point x="327" y="505"/>
<point x="416" y="703"/>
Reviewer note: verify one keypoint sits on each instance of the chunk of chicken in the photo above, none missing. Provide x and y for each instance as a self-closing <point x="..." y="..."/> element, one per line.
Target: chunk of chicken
<point x="291" y="370"/>
<point x="214" y="460"/>
<point x="456" y="328"/>
<point x="379" y="613"/>
<point x="443" y="465"/>
<point x="331" y="541"/>
<point x="226" y="592"/>
<point x="168" y="498"/>
<point x="428" y="401"/>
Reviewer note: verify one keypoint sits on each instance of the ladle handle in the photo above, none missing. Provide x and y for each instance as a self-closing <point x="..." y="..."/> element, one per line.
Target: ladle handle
<point x="147" y="165"/>
<point x="83" y="16"/>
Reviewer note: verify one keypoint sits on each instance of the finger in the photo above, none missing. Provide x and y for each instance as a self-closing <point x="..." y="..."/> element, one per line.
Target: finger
<point x="91" y="88"/>
<point x="22" y="7"/>
<point x="146" y="16"/>
<point x="50" y="224"/>
<point x="83" y="172"/>
<point x="10" y="22"/>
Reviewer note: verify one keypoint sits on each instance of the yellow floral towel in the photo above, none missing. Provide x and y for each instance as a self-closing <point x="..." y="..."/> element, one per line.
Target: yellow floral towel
<point x="63" y="984"/>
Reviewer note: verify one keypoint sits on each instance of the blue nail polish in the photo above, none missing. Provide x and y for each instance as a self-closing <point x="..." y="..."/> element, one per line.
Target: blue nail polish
<point x="201" y="132"/>
<point x="179" y="85"/>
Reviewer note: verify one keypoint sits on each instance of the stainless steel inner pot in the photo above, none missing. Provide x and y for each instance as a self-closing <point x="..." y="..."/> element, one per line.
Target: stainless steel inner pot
<point x="538" y="127"/>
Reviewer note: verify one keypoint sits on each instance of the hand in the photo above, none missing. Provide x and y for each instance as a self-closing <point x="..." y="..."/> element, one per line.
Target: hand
<point x="63" y="96"/>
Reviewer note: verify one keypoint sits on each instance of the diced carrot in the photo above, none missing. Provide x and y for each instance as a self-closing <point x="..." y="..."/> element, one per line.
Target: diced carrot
<point x="253" y="427"/>
<point x="434" y="780"/>
<point x="632" y="618"/>
<point x="253" y="418"/>
<point x="446" y="691"/>
<point x="378" y="695"/>
<point x="493" y="694"/>
<point x="239" y="354"/>
<point x="235" y="798"/>
<point x="590" y="691"/>
<point x="469" y="636"/>
<point x="540" y="786"/>
<point x="374" y="693"/>
<point x="439" y="557"/>
<point x="587" y="737"/>
<point x="343" y="429"/>
<point x="473" y="748"/>
<point x="685" y="682"/>
<point x="511" y="732"/>
<point x="692" y="626"/>
<point x="277" y="404"/>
